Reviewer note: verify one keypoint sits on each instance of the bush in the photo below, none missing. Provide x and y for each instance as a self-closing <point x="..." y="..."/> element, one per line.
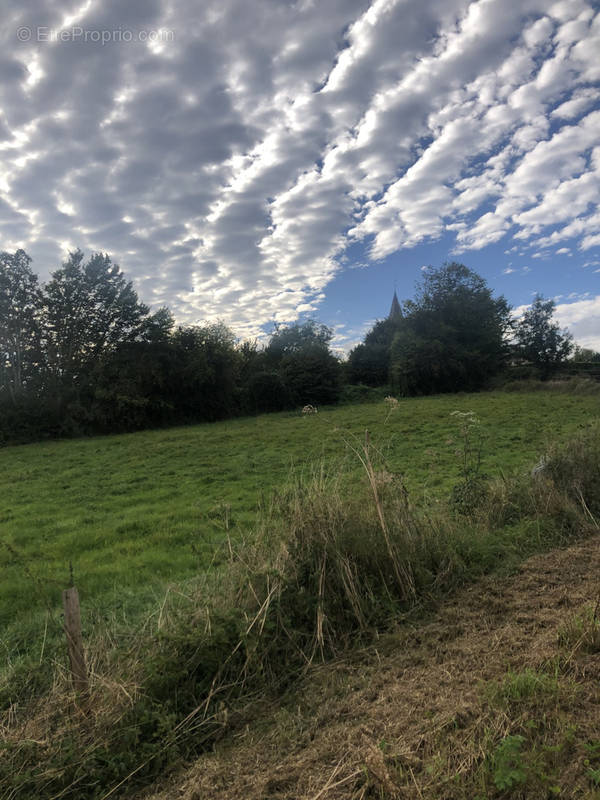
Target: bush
<point x="267" y="392"/>
<point x="360" y="393"/>
<point x="575" y="470"/>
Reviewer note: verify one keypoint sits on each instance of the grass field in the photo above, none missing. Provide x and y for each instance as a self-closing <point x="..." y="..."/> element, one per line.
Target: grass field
<point x="135" y="512"/>
<point x="219" y="564"/>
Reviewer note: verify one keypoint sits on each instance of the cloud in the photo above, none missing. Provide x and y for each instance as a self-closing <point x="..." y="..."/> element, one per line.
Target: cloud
<point x="580" y="101"/>
<point x="582" y="318"/>
<point x="228" y="168"/>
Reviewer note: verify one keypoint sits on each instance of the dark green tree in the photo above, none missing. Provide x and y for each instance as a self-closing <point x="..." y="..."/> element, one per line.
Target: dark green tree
<point x="205" y="372"/>
<point x="133" y="388"/>
<point x="539" y="340"/>
<point x="369" y="362"/>
<point x="453" y="336"/>
<point x="290" y="339"/>
<point x="302" y="357"/>
<point x="158" y="326"/>
<point x="267" y="392"/>
<point x="19" y="324"/>
<point x="89" y="309"/>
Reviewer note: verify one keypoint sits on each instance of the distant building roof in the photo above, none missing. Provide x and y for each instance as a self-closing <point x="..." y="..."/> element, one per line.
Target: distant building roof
<point x="395" y="310"/>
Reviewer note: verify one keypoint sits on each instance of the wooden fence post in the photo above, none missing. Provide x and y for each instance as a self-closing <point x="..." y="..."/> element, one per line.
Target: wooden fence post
<point x="75" y="640"/>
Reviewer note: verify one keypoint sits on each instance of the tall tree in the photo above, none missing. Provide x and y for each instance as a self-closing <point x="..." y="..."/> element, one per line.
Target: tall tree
<point x="19" y="322"/>
<point x="453" y="336"/>
<point x="290" y="339"/>
<point x="205" y="370"/>
<point x="539" y="340"/>
<point x="369" y="362"/>
<point x="89" y="309"/>
<point x="301" y="356"/>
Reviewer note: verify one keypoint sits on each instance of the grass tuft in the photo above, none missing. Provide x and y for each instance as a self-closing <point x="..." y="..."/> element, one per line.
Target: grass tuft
<point x="582" y="632"/>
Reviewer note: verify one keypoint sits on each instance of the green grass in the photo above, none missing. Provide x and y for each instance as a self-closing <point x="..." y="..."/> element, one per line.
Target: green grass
<point x="518" y="687"/>
<point x="135" y="512"/>
<point x="333" y="561"/>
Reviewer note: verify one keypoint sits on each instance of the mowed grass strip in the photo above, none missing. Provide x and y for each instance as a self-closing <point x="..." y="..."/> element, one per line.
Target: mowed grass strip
<point x="135" y="512"/>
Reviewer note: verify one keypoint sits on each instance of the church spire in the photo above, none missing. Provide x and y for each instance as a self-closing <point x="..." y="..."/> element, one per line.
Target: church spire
<point x="395" y="310"/>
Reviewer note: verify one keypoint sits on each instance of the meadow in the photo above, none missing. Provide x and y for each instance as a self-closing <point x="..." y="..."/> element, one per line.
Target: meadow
<point x="218" y="565"/>
<point x="134" y="513"/>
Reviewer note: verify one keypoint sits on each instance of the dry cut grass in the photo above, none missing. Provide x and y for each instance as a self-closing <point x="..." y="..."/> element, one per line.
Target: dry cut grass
<point x="483" y="699"/>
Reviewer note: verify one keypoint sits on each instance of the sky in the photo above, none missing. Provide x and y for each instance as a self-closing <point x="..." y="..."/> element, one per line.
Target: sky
<point x="267" y="161"/>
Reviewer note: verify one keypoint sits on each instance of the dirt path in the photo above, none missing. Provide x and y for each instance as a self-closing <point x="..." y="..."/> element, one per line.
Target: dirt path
<point x="392" y="704"/>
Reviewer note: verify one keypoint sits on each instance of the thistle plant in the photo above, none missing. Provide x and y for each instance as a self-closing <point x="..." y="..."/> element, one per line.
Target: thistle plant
<point x="471" y="438"/>
<point x="392" y="404"/>
<point x="470" y="491"/>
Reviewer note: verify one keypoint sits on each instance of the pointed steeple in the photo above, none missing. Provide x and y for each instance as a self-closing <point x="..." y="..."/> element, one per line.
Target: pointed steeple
<point x="395" y="310"/>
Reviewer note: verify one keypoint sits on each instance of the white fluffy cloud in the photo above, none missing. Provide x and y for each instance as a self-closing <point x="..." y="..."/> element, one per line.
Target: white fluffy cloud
<point x="582" y="318"/>
<point x="228" y="164"/>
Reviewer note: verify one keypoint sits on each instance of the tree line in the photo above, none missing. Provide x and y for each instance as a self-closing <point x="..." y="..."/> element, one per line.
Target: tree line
<point x="82" y="355"/>
<point x="456" y="336"/>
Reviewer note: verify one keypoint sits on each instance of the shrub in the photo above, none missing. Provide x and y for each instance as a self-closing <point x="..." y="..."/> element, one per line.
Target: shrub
<point x="360" y="393"/>
<point x="268" y="392"/>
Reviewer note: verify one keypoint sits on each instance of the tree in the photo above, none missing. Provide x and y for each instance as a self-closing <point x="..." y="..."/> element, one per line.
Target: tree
<point x="539" y="340"/>
<point x="89" y="309"/>
<point x="453" y="335"/>
<point x="287" y="340"/>
<point x="158" y="326"/>
<point x="19" y="323"/>
<point x="301" y="355"/>
<point x="585" y="355"/>
<point x="369" y="362"/>
<point x="205" y="370"/>
<point x="267" y="392"/>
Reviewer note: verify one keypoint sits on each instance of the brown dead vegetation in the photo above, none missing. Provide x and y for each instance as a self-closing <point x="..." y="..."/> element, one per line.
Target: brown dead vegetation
<point x="409" y="717"/>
